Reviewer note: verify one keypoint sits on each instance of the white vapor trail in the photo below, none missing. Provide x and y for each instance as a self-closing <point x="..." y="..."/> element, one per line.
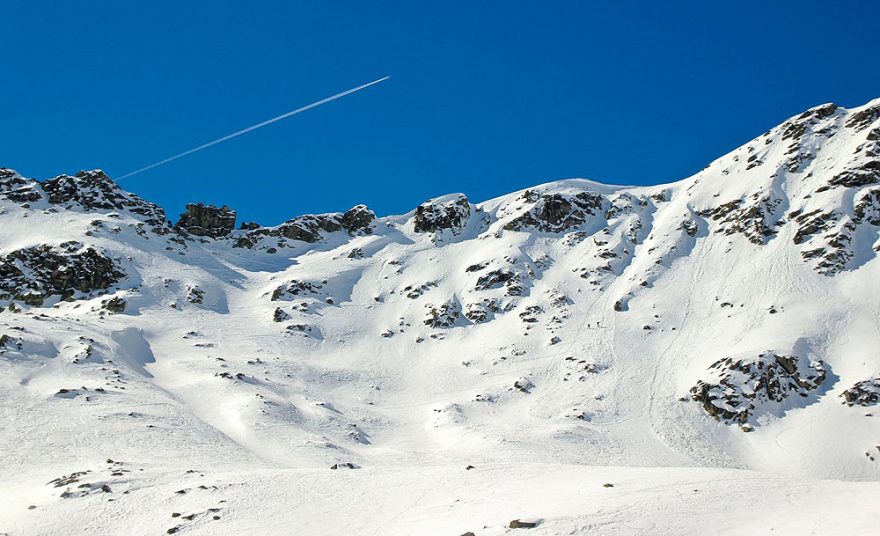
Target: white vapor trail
<point x="255" y="127"/>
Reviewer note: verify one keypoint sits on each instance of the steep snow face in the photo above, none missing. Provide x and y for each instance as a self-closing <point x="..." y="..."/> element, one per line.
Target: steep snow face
<point x="726" y="320"/>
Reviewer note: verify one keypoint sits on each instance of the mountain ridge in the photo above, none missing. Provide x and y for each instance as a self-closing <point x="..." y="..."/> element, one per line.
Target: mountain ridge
<point x="726" y="322"/>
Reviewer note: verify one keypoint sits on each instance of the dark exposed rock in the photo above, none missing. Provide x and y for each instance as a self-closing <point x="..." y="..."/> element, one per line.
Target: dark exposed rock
<point x="445" y="213"/>
<point x="863" y="119"/>
<point x="819" y="112"/>
<point x="751" y="219"/>
<point x="207" y="220"/>
<point x="279" y="315"/>
<point x="476" y="267"/>
<point x="495" y="279"/>
<point x="36" y="273"/>
<point x="689" y="226"/>
<point x="530" y="314"/>
<point x="813" y="222"/>
<point x="412" y="292"/>
<point x="308" y="228"/>
<point x="867" y="208"/>
<point x="358" y="219"/>
<point x="195" y="295"/>
<point x="17" y="189"/>
<point x="743" y="387"/>
<point x="556" y="212"/>
<point x="864" y="175"/>
<point x="524" y="385"/>
<point x="480" y="311"/>
<point x="443" y="316"/>
<point x="518" y="524"/>
<point x="247" y="243"/>
<point x="94" y="190"/>
<point x="836" y="251"/>
<point x="795" y="129"/>
<point x="295" y="288"/>
<point x="345" y="465"/>
<point x="114" y="305"/>
<point x="863" y="393"/>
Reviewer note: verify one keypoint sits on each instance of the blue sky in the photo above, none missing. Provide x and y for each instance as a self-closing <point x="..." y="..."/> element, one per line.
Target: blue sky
<point x="485" y="97"/>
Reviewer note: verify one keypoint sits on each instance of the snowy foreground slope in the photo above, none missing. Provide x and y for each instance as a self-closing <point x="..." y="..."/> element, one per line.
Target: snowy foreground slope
<point x="697" y="357"/>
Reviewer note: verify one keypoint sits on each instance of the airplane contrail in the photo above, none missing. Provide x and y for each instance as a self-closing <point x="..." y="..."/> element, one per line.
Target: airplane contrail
<point x="255" y="127"/>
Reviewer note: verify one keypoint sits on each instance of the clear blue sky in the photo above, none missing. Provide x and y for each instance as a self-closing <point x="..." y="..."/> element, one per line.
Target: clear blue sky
<point x="485" y="97"/>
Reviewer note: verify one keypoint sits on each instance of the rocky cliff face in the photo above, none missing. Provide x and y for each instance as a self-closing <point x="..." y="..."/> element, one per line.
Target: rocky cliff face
<point x="207" y="220"/>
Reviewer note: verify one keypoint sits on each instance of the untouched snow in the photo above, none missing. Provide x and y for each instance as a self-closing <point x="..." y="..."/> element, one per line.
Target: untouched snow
<point x="551" y="338"/>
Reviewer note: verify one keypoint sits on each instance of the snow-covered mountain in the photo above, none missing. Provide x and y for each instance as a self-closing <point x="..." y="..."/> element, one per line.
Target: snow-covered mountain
<point x="715" y="339"/>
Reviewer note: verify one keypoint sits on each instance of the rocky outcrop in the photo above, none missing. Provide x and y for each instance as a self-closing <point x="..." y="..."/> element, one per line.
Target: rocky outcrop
<point x="741" y="388"/>
<point x="32" y="275"/>
<point x="864" y="118"/>
<point x="863" y="393"/>
<point x="482" y="311"/>
<point x="114" y="305"/>
<point x="553" y="213"/>
<point x="749" y="217"/>
<point x="295" y="288"/>
<point x="863" y="175"/>
<point x="867" y="207"/>
<point x="443" y="316"/>
<point x="207" y="220"/>
<point x="497" y="279"/>
<point x="17" y="189"/>
<point x="95" y="191"/>
<point x="358" y="220"/>
<point x="828" y="236"/>
<point x="450" y="212"/>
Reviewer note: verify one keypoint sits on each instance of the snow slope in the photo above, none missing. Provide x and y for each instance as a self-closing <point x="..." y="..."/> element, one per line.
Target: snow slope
<point x="707" y="346"/>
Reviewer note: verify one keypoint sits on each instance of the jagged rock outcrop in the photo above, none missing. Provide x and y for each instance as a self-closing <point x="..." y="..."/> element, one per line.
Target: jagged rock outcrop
<point x="863" y="175"/>
<point x="358" y="220"/>
<point x="863" y="393"/>
<point x="31" y="275"/>
<point x="95" y="191"/>
<point x="294" y="288"/>
<point x="553" y="213"/>
<point x="482" y="311"/>
<point x="752" y="218"/>
<point x="17" y="189"/>
<point x="864" y="118"/>
<point x="443" y="316"/>
<point x="449" y="212"/>
<point x="741" y="388"/>
<point x="207" y="220"/>
<point x="498" y="278"/>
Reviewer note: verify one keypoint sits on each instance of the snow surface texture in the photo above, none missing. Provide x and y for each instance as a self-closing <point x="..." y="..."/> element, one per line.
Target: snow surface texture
<point x="697" y="357"/>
